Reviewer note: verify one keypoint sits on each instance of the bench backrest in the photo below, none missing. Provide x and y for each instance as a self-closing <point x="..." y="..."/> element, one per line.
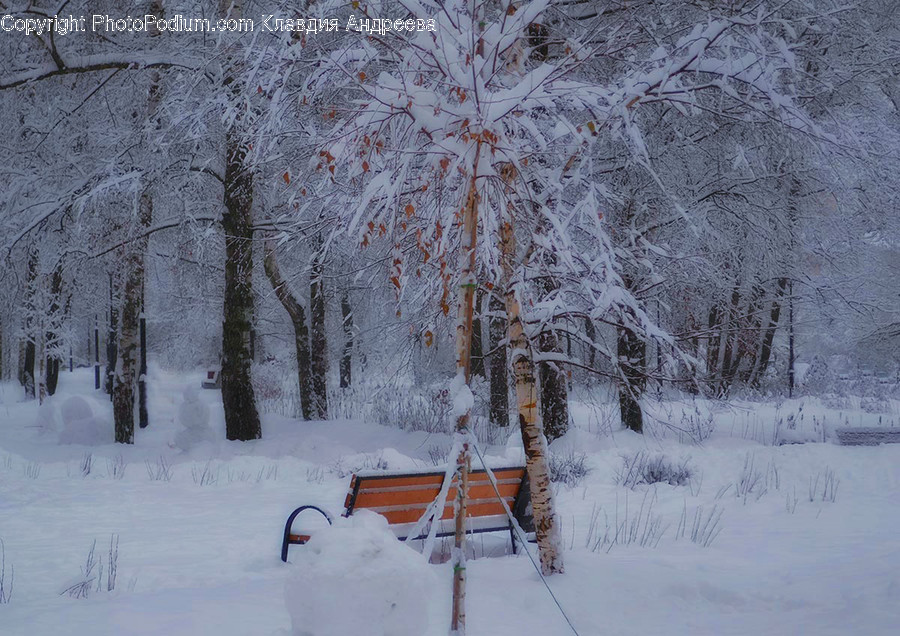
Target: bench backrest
<point x="403" y="499"/>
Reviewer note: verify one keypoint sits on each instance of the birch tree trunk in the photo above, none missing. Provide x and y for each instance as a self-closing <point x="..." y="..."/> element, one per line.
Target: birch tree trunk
<point x="527" y="403"/>
<point x="127" y="350"/>
<point x="465" y="306"/>
<point x="298" y="319"/>
<point x="129" y="354"/>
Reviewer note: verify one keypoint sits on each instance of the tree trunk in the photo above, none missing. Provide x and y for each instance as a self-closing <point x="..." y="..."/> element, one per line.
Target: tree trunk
<point x="42" y="372"/>
<point x="298" y="320"/>
<point x="791" y="358"/>
<point x="20" y="363"/>
<point x="52" y="374"/>
<point x="111" y="352"/>
<point x="499" y="408"/>
<point x="28" y="374"/>
<point x="533" y="440"/>
<point x="765" y="350"/>
<point x="241" y="417"/>
<point x="464" y="319"/>
<point x="28" y="358"/>
<point x="477" y="345"/>
<point x="591" y="333"/>
<point x="554" y="394"/>
<point x="143" y="414"/>
<point x="127" y="351"/>
<point x="730" y="337"/>
<point x="51" y="336"/>
<point x="713" y="338"/>
<point x="238" y="398"/>
<point x="347" y="352"/>
<point x="632" y="353"/>
<point x="318" y="340"/>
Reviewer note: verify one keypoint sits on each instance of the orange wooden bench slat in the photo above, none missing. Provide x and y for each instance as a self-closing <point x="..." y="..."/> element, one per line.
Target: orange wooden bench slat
<point x="398" y="498"/>
<point x="473" y="509"/>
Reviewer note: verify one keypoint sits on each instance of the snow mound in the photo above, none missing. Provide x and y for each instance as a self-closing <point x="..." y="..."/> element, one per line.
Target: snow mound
<point x="357" y="578"/>
<point x="193" y="416"/>
<point x="47" y="419"/>
<point x="80" y="425"/>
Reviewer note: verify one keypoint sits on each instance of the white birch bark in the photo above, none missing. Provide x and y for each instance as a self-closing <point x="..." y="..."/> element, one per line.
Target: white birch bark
<point x="527" y="403"/>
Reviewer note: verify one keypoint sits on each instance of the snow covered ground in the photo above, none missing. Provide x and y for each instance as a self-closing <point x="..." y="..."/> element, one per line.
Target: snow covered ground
<point x="803" y="537"/>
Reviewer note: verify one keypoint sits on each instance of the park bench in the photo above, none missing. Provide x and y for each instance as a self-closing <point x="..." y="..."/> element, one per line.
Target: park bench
<point x="867" y="435"/>
<point x="402" y="499"/>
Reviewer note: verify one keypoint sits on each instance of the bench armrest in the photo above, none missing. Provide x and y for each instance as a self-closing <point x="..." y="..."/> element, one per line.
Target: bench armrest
<point x="298" y="539"/>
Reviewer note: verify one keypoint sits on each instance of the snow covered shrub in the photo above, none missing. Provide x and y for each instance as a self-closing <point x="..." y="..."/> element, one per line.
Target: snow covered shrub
<point x="346" y="466"/>
<point x="750" y="481"/>
<point x="5" y="589"/>
<point x="704" y="528"/>
<point x="568" y="468"/>
<point x="315" y="475"/>
<point x="82" y="585"/>
<point x="87" y="464"/>
<point x="269" y="472"/>
<point x="646" y="468"/>
<point x="829" y="486"/>
<point x="205" y="476"/>
<point x="437" y="454"/>
<point x="819" y="379"/>
<point x="790" y="502"/>
<point x="32" y="470"/>
<point x="875" y="404"/>
<point x="412" y="411"/>
<point x="115" y="467"/>
<point x="161" y="470"/>
<point x="91" y="577"/>
<point x="642" y="528"/>
<point x="358" y="560"/>
<point x="274" y="385"/>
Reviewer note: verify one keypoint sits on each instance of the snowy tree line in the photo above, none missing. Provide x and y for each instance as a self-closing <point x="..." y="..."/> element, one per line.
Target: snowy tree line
<point x="683" y="196"/>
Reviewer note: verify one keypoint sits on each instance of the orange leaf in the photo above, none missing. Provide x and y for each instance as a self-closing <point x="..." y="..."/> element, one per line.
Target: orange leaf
<point x="429" y="338"/>
<point x="362" y="76"/>
<point x="410" y="210"/>
<point x="287" y="177"/>
<point x="365" y="166"/>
